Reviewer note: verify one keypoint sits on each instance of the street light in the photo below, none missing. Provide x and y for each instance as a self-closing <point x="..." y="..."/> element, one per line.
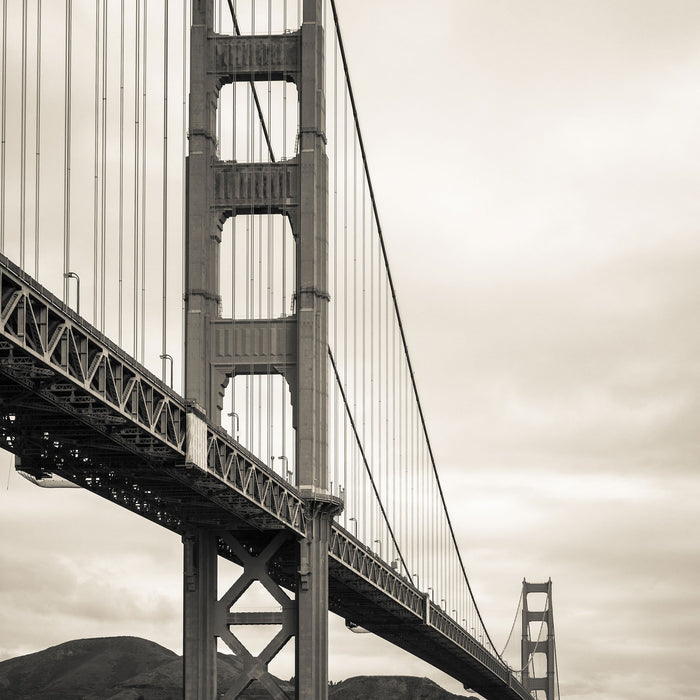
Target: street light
<point x="353" y="520"/>
<point x="166" y="356"/>
<point x="235" y="422"/>
<point x="76" y="277"/>
<point x="379" y="542"/>
<point x="286" y="471"/>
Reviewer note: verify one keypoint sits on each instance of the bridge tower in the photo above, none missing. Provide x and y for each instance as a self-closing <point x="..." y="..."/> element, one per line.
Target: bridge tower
<point x="297" y="189"/>
<point x="530" y="647"/>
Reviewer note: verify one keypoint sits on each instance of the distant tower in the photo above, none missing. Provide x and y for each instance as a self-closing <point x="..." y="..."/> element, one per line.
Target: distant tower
<point x="543" y="645"/>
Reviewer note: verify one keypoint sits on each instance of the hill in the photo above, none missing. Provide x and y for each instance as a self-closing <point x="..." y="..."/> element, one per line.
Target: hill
<point x="129" y="668"/>
<point x="390" y="688"/>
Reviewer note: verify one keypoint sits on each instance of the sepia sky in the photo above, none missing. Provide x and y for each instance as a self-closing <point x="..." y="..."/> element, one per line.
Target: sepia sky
<point x="536" y="169"/>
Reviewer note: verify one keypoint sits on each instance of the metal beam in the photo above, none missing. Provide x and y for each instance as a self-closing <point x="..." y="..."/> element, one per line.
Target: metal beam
<point x="246" y="58"/>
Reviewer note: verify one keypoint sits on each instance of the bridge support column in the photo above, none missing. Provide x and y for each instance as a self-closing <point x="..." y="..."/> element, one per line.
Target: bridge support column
<point x="311" y="667"/>
<point x="199" y="597"/>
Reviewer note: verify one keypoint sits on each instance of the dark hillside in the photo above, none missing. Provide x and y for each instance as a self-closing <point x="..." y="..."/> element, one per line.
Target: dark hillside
<point x="129" y="668"/>
<point x="85" y="667"/>
<point x="390" y="688"/>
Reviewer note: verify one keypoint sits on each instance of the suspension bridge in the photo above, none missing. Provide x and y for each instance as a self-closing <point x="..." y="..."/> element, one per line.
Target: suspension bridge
<point x="184" y="191"/>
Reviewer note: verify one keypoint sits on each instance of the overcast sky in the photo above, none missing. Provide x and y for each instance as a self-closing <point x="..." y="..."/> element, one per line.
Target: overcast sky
<point x="536" y="168"/>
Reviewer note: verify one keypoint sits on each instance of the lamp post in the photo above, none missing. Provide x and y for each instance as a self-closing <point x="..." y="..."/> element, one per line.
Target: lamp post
<point x="76" y="277"/>
<point x="234" y="430"/>
<point x="165" y="357"/>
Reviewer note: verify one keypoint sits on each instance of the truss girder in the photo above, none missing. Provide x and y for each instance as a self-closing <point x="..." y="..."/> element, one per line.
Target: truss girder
<point x="75" y="365"/>
<point x="68" y="393"/>
<point x="73" y="404"/>
<point x="375" y="596"/>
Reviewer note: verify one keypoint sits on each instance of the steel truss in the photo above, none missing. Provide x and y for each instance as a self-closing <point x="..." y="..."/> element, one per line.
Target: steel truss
<point x="67" y="412"/>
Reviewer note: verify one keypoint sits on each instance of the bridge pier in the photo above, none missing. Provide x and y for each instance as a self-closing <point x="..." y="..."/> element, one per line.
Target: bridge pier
<point x="304" y="617"/>
<point x="311" y="653"/>
<point x="199" y="598"/>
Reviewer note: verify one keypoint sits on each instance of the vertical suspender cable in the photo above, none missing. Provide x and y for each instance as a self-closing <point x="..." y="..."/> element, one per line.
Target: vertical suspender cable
<point x="283" y="394"/>
<point x="67" y="148"/>
<point x="144" y="182"/>
<point x="270" y="254"/>
<point x="37" y="183"/>
<point x="371" y="366"/>
<point x="336" y="451"/>
<point x="183" y="195"/>
<point x="103" y="194"/>
<point x="96" y="167"/>
<point x="364" y="346"/>
<point x="346" y="293"/>
<point x="219" y="28"/>
<point x="121" y="173"/>
<point x="384" y="387"/>
<point x="23" y="138"/>
<point x="3" y="127"/>
<point x="235" y="420"/>
<point x="356" y="484"/>
<point x="381" y="462"/>
<point x="137" y="110"/>
<point x="164" y="252"/>
<point x="248" y="288"/>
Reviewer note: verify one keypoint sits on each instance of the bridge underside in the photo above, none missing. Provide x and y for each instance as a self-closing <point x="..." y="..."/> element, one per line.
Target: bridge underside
<point x="179" y="498"/>
<point x="127" y="444"/>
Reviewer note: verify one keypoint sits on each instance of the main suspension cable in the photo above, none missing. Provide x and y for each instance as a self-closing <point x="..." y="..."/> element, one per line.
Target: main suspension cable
<point x="398" y="316"/>
<point x="515" y="619"/>
<point x="364" y="459"/>
<point x="258" y="107"/>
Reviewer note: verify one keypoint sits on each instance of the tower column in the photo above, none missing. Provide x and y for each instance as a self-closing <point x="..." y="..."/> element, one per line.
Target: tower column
<point x="199" y="596"/>
<point x="312" y="263"/>
<point x="203" y="233"/>
<point x="201" y="306"/>
<point x="312" y="365"/>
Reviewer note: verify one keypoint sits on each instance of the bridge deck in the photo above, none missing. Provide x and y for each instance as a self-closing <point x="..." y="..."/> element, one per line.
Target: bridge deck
<point x="74" y="404"/>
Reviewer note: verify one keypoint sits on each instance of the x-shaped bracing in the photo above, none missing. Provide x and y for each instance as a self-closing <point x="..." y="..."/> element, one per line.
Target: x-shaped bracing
<point x="255" y="568"/>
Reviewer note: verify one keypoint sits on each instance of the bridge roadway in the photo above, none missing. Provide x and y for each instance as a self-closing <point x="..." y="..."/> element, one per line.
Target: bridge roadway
<point x="74" y="404"/>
